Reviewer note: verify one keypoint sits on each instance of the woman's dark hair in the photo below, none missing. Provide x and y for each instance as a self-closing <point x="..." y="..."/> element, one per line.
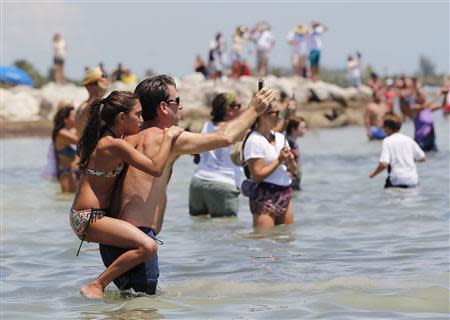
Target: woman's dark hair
<point x="219" y="106"/>
<point x="151" y="92"/>
<point x="102" y="114"/>
<point x="293" y="123"/>
<point x="58" y="120"/>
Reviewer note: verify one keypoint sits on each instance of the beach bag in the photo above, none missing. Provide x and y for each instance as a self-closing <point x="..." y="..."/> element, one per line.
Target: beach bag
<point x="49" y="170"/>
<point x="237" y="154"/>
<point x="249" y="188"/>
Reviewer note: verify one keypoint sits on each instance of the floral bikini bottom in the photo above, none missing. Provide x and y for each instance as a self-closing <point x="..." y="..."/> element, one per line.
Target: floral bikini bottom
<point x="80" y="220"/>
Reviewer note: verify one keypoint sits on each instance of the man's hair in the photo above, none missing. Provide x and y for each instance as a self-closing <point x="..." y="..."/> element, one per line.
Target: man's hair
<point x="392" y="121"/>
<point x="151" y="92"/>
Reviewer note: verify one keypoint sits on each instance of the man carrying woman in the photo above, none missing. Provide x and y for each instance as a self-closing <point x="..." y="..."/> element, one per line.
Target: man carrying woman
<point x="103" y="154"/>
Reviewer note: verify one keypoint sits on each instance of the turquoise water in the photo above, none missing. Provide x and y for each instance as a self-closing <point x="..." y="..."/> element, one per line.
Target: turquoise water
<point x="356" y="251"/>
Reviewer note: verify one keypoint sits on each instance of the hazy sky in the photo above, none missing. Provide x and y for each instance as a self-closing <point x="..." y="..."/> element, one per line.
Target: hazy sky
<point x="166" y="36"/>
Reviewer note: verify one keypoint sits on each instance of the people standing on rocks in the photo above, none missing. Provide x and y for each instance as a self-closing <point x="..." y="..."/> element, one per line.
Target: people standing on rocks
<point x="103" y="155"/>
<point x="264" y="41"/>
<point x="96" y="85"/>
<point x="118" y="73"/>
<point x="59" y="56"/>
<point x="102" y="68"/>
<point x="64" y="139"/>
<point x="200" y="66"/>
<point x="217" y="58"/>
<point x="239" y="40"/>
<point x="143" y="197"/>
<point x="295" y="128"/>
<point x="354" y="70"/>
<point x="298" y="39"/>
<point x="214" y="188"/>
<point x="129" y="77"/>
<point x="269" y="166"/>
<point x="398" y="154"/>
<point x="373" y="117"/>
<point x="315" y="47"/>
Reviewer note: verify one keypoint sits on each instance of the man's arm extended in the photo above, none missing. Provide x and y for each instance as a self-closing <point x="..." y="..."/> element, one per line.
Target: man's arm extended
<point x="232" y="131"/>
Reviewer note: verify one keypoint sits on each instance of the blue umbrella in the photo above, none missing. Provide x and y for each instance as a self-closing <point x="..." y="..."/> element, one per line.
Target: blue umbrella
<point x="14" y="75"/>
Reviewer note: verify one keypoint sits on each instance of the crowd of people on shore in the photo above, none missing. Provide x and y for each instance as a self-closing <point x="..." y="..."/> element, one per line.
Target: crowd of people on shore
<point x="306" y="45"/>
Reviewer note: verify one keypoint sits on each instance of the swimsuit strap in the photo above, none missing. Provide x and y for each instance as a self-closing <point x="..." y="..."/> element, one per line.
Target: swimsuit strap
<point x="94" y="214"/>
<point x="105" y="174"/>
<point x="111" y="132"/>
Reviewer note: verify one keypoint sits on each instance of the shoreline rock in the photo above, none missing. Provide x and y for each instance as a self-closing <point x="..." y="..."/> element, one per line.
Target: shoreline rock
<point x="28" y="110"/>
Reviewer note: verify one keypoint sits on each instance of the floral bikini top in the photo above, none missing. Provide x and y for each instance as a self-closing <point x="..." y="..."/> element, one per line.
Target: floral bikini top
<point x="105" y="174"/>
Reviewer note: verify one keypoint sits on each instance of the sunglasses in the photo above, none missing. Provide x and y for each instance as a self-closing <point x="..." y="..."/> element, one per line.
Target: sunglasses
<point x="176" y="100"/>
<point x="235" y="106"/>
<point x="277" y="113"/>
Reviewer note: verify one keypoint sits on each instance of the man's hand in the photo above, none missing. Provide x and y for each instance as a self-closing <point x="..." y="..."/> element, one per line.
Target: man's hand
<point x="262" y="99"/>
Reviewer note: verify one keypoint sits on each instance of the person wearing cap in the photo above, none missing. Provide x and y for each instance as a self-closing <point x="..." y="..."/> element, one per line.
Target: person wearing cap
<point x="297" y="38"/>
<point x="214" y="188"/>
<point x="96" y="85"/>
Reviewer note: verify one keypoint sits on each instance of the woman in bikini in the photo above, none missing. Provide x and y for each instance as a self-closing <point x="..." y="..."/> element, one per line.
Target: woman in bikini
<point x="103" y="154"/>
<point x="64" y="139"/>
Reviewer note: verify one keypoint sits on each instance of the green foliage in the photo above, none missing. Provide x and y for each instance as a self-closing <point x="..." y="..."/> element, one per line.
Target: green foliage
<point x="336" y="76"/>
<point x="278" y="71"/>
<point x="38" y="79"/>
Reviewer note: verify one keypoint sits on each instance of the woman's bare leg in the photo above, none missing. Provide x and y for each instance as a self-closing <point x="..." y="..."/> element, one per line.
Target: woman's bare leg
<point x="288" y="217"/>
<point x="68" y="182"/>
<point x="121" y="234"/>
<point x="263" y="221"/>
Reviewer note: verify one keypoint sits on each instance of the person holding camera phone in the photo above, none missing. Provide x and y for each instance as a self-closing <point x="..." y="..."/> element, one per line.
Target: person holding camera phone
<point x="270" y="165"/>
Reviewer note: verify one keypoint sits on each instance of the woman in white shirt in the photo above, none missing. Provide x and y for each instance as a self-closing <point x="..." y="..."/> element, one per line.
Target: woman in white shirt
<point x="214" y="187"/>
<point x="270" y="166"/>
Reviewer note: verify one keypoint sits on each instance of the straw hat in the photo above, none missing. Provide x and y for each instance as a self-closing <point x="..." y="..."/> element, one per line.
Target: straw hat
<point x="301" y="29"/>
<point x="92" y="75"/>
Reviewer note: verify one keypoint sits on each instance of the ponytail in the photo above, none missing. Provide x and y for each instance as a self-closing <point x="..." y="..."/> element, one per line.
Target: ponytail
<point x="91" y="133"/>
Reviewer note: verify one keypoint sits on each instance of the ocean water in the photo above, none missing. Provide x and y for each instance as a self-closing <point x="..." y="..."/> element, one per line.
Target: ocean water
<point x="356" y="250"/>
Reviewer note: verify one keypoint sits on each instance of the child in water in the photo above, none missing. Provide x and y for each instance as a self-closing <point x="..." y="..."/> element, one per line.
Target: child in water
<point x="397" y="155"/>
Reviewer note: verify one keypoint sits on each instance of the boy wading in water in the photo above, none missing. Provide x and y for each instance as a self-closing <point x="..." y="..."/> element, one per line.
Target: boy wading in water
<point x="397" y="155"/>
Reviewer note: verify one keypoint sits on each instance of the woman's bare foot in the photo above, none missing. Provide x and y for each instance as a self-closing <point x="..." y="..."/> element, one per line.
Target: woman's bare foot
<point x="92" y="291"/>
